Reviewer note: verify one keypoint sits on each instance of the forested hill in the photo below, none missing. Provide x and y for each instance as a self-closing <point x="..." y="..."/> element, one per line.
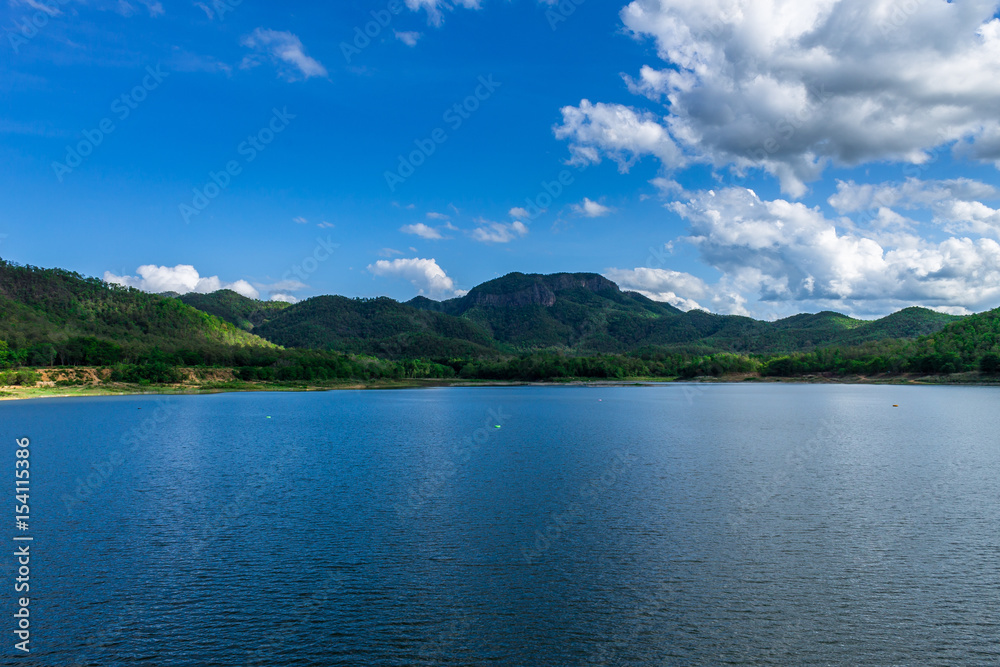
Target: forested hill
<point x="55" y="316"/>
<point x="234" y="308"/>
<point x="579" y="313"/>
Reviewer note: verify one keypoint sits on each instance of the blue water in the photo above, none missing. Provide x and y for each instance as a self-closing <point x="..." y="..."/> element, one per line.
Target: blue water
<point x="670" y="525"/>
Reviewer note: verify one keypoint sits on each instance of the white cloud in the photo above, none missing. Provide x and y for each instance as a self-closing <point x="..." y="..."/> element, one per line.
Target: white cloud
<point x="286" y="298"/>
<point x="326" y="225"/>
<point x="968" y="217"/>
<point x="421" y="230"/>
<point x="912" y="193"/>
<point x="955" y="204"/>
<point x="678" y="289"/>
<point x="785" y="254"/>
<point x="300" y="220"/>
<point x="791" y="86"/>
<point x="389" y="252"/>
<point x="424" y="274"/>
<point x="122" y="7"/>
<point x="518" y="212"/>
<point x="438" y="216"/>
<point x="498" y="232"/>
<point x="409" y="38"/>
<point x="286" y="50"/>
<point x="434" y="7"/>
<point x="592" y="209"/>
<point x="182" y="279"/>
<point x="618" y="132"/>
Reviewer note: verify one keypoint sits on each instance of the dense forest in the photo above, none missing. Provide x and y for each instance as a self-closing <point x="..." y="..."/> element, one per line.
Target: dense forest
<point x="520" y="327"/>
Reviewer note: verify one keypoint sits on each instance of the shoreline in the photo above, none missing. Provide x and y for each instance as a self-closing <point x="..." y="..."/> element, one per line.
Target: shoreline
<point x="18" y="393"/>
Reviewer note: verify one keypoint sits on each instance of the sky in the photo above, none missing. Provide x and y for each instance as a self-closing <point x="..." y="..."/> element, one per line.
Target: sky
<point x="754" y="157"/>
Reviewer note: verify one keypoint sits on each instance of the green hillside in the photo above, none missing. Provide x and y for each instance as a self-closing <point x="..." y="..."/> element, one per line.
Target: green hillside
<point x="52" y="315"/>
<point x="234" y="308"/>
<point x="970" y="344"/>
<point x="908" y="323"/>
<point x="380" y="327"/>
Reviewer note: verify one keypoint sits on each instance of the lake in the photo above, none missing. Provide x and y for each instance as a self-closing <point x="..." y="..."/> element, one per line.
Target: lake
<point x="669" y="525"/>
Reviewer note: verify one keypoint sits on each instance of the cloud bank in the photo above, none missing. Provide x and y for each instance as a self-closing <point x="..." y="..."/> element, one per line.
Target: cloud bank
<point x="792" y="86"/>
<point x="776" y="257"/>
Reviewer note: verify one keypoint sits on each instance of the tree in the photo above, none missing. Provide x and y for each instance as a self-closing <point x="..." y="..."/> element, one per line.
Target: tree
<point x="990" y="364"/>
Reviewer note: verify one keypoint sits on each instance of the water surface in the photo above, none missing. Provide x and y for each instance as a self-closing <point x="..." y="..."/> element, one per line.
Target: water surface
<point x="671" y="525"/>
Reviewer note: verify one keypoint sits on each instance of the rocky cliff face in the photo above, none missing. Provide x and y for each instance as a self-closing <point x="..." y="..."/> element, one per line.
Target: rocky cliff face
<point x="519" y="290"/>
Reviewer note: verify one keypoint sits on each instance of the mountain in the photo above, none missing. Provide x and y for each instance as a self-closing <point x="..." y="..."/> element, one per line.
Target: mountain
<point x="576" y="313"/>
<point x="585" y="312"/>
<point x="50" y="314"/>
<point x="580" y="311"/>
<point x="57" y="315"/>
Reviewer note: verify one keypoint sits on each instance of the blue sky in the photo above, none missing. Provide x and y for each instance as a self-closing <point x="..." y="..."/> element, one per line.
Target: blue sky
<point x="760" y="158"/>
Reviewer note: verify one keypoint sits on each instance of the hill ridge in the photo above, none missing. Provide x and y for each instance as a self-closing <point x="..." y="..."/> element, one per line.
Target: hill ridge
<point x="580" y="313"/>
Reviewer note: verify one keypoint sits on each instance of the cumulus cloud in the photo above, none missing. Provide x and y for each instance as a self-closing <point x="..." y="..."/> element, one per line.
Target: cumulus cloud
<point x="618" y="132"/>
<point x="182" y="279"/>
<point x="499" y="232"/>
<point x="424" y="274"/>
<point x="286" y="298"/>
<point x="285" y="50"/>
<point x="791" y="86"/>
<point x="421" y="230"/>
<point x="954" y="204"/>
<point x="592" y="209"/>
<point x="786" y="254"/>
<point x="911" y="194"/>
<point x="409" y="38"/>
<point x="676" y="288"/>
<point x="518" y="212"/>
